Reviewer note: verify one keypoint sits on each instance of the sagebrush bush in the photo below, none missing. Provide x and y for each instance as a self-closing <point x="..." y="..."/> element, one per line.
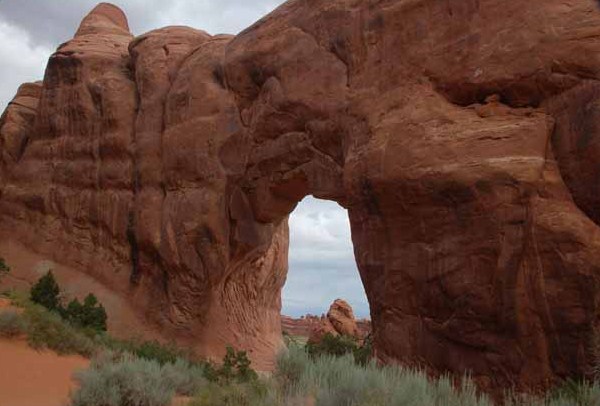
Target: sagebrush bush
<point x="122" y="381"/>
<point x="235" y="394"/>
<point x="185" y="378"/>
<point x="12" y="324"/>
<point x="337" y="381"/>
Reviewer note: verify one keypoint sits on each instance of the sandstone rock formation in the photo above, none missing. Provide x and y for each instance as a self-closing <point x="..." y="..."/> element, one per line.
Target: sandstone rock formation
<point x="340" y="320"/>
<point x="461" y="136"/>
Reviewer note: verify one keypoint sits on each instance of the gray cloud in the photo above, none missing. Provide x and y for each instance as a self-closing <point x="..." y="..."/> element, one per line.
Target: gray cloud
<point x="31" y="29"/>
<point x="23" y="60"/>
<point x="322" y="266"/>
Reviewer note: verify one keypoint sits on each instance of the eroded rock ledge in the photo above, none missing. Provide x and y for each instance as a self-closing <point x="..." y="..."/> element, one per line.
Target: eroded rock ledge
<point x="462" y="136"/>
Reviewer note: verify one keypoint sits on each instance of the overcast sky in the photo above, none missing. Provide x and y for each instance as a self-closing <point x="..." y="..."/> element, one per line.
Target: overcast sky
<point x="322" y="266"/>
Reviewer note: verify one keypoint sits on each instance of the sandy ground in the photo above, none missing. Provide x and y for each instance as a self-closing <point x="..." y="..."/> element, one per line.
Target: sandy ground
<point x="27" y="267"/>
<point x="32" y="378"/>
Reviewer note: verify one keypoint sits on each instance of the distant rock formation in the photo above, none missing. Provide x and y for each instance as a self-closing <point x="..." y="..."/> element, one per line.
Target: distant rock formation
<point x="462" y="136"/>
<point x="340" y="314"/>
<point x="340" y="320"/>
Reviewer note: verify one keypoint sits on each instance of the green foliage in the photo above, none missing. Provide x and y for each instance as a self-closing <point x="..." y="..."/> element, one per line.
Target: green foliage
<point x="149" y="350"/>
<point x="339" y="346"/>
<point x="11" y="324"/>
<point x="48" y="330"/>
<point x="237" y="394"/>
<point x="46" y="292"/>
<point x="4" y="269"/>
<point x="339" y="381"/>
<point x="89" y="315"/>
<point x="122" y="381"/>
<point x="364" y="353"/>
<point x="235" y="368"/>
<point x="184" y="377"/>
<point x="336" y="346"/>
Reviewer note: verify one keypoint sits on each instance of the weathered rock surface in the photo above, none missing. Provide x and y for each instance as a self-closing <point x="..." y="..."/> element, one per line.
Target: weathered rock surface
<point x="461" y="136"/>
<point x="16" y="127"/>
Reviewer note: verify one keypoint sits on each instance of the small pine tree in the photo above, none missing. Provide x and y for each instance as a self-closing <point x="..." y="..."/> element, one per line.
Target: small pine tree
<point x="46" y="292"/>
<point x="90" y="315"/>
<point x="94" y="314"/>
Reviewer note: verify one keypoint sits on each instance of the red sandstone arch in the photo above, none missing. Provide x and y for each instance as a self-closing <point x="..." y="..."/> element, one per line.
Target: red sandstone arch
<point x="173" y="160"/>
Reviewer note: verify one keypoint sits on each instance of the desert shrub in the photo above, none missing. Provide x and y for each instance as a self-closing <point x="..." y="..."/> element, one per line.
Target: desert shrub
<point x="12" y="324"/>
<point x="48" y="330"/>
<point x="332" y="345"/>
<point x="18" y="298"/>
<point x="185" y="378"/>
<point x="571" y="392"/>
<point x="337" y="381"/>
<point x="235" y="368"/>
<point x="339" y="346"/>
<point x="364" y="353"/>
<point x="235" y="394"/>
<point x="149" y="350"/>
<point x="123" y="381"/>
<point x="89" y="315"/>
<point x="46" y="292"/>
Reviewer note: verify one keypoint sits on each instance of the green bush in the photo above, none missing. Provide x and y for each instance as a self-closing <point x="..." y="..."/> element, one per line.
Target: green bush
<point x="235" y="368"/>
<point x="336" y="346"/>
<point x="12" y="324"/>
<point x="4" y="269"/>
<point x="236" y="394"/>
<point x="339" y="346"/>
<point x="122" y="381"/>
<point x="364" y="353"/>
<point x="46" y="292"/>
<point x="185" y="378"/>
<point x="89" y="315"/>
<point x="150" y="350"/>
<point x="48" y="330"/>
<point x="337" y="381"/>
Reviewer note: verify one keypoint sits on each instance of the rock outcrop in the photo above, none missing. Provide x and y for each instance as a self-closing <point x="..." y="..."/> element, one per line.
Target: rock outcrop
<point x="340" y="320"/>
<point x="461" y="136"/>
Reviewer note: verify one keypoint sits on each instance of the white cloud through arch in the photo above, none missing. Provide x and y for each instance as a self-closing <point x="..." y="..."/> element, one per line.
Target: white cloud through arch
<point x="322" y="266"/>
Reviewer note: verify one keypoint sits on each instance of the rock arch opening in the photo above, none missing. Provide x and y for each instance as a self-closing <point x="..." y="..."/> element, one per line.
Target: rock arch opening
<point x="321" y="263"/>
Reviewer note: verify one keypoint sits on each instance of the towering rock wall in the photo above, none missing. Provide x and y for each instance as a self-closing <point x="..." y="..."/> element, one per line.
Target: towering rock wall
<point x="460" y="135"/>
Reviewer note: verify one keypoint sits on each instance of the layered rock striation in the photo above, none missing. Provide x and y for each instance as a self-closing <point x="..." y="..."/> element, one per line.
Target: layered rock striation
<point x="461" y="136"/>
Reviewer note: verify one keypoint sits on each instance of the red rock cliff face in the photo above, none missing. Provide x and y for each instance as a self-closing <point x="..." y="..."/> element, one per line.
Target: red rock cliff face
<point x="460" y="135"/>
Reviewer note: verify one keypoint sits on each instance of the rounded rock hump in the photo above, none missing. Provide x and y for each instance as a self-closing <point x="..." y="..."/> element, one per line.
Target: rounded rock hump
<point x="105" y="18"/>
